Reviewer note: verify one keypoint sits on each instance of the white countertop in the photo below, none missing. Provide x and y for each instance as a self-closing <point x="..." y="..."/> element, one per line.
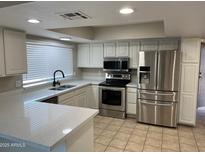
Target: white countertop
<point x="132" y="84"/>
<point x="22" y="118"/>
<point x="44" y="93"/>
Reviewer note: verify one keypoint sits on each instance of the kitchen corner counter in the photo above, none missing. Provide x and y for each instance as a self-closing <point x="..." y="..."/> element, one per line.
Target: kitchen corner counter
<point x="40" y="125"/>
<point x="132" y="85"/>
<point x="44" y="93"/>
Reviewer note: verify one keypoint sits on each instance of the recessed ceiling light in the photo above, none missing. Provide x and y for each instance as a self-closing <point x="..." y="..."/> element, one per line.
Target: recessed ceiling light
<point x="33" y="21"/>
<point x="65" y="38"/>
<point x="126" y="11"/>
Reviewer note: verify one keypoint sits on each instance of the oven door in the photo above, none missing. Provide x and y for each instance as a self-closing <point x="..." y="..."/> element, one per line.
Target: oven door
<point x="112" y="98"/>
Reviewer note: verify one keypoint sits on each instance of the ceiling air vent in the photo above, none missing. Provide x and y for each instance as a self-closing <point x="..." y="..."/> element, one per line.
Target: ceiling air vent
<point x="75" y="15"/>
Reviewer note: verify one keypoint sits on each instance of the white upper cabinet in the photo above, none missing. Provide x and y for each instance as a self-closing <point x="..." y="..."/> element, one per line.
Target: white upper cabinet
<point x="190" y="50"/>
<point x="110" y="49"/>
<point x="189" y="78"/>
<point x="15" y="52"/>
<point x="84" y="55"/>
<point x="122" y="49"/>
<point x="168" y="44"/>
<point x="2" y="69"/>
<point x="96" y="55"/>
<point x="134" y="53"/>
<point x="147" y="45"/>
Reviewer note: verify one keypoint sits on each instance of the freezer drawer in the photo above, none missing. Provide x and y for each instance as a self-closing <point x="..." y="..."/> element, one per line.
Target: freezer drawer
<point x="157" y="112"/>
<point x="157" y="95"/>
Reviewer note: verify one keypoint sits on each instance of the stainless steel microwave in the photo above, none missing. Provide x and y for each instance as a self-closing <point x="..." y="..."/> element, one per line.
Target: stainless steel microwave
<point x="116" y="64"/>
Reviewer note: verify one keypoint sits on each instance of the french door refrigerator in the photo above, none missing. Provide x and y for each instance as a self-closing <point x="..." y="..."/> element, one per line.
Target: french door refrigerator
<point x="157" y="94"/>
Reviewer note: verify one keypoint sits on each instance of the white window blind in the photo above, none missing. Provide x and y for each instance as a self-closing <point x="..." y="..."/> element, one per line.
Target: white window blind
<point x="43" y="60"/>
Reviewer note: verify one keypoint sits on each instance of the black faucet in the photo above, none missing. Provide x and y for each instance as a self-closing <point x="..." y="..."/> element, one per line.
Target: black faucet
<point x="54" y="78"/>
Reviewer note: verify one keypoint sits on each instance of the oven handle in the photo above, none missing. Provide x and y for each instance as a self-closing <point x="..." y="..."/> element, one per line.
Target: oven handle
<point x="170" y="104"/>
<point x="111" y="88"/>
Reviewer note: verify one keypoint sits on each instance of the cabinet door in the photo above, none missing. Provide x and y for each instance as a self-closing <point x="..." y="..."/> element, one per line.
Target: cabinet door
<point x="187" y="108"/>
<point x="189" y="78"/>
<point x="96" y="55"/>
<point x="122" y="49"/>
<point x="2" y="64"/>
<point x="149" y="45"/>
<point x="83" y="55"/>
<point x="188" y="93"/>
<point x="70" y="102"/>
<point x="190" y="50"/>
<point x="131" y="101"/>
<point x="134" y="54"/>
<point x="81" y="100"/>
<point x="168" y="44"/>
<point x="93" y="97"/>
<point x="131" y="109"/>
<point x="15" y="52"/>
<point x="109" y="49"/>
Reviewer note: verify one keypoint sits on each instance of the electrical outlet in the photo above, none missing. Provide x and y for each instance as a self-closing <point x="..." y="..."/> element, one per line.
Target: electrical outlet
<point x="18" y="83"/>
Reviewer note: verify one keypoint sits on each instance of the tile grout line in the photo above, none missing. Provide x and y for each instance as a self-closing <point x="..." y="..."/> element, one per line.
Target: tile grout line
<point x="179" y="140"/>
<point x="114" y="136"/>
<point x="195" y="141"/>
<point x="128" y="139"/>
<point x="145" y="138"/>
<point x="162" y="138"/>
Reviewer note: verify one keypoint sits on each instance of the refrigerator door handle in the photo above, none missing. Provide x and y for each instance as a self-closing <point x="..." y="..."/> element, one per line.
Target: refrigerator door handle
<point x="149" y="93"/>
<point x="166" y="94"/>
<point x="170" y="104"/>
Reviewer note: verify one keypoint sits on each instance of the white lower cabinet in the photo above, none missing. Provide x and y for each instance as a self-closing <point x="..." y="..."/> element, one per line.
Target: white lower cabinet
<point x="70" y="101"/>
<point x="131" y="98"/>
<point x="81" y="100"/>
<point x="93" y="97"/>
<point x="82" y="97"/>
<point x="187" y="108"/>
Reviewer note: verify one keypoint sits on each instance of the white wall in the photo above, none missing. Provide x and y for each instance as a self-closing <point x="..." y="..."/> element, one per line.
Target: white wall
<point x="135" y="31"/>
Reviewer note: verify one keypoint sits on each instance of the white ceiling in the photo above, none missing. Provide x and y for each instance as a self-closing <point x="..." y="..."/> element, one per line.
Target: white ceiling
<point x="186" y="19"/>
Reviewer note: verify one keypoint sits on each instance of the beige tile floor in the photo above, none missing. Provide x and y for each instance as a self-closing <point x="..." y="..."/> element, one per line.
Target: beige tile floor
<point x="116" y="135"/>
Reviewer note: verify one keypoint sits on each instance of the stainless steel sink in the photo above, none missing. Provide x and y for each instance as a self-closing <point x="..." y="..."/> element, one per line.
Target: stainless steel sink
<point x="63" y="87"/>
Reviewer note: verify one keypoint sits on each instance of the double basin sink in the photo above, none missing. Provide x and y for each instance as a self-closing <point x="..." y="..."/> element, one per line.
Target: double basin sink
<point x="63" y="87"/>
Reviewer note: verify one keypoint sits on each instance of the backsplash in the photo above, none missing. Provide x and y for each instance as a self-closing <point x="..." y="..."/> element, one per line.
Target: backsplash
<point x="98" y="74"/>
<point x="9" y="83"/>
<point x="92" y="74"/>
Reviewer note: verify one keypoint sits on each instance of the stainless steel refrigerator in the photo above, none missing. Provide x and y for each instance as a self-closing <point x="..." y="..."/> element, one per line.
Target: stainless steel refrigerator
<point x="157" y="94"/>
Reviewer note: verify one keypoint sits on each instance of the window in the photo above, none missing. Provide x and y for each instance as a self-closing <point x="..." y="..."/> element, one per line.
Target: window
<point x="43" y="60"/>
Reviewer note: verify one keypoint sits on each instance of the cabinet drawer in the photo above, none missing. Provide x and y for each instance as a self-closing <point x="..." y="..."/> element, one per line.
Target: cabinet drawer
<point x="63" y="97"/>
<point x="131" y="98"/>
<point x="132" y="90"/>
<point x="131" y="108"/>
